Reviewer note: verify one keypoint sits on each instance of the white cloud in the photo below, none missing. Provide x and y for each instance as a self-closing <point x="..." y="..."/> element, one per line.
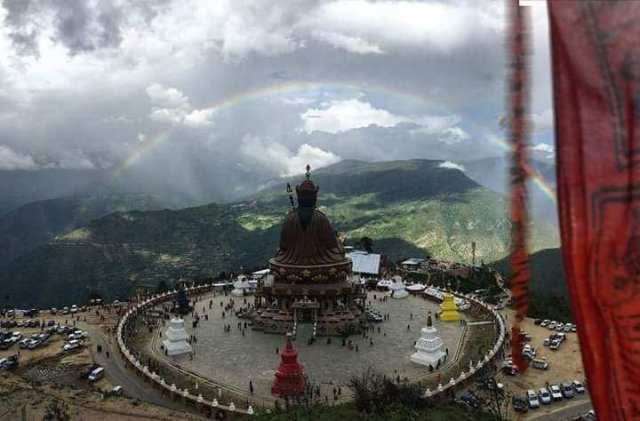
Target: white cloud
<point x="166" y="97"/>
<point x="12" y="160"/>
<point x="279" y="158"/>
<point x="167" y="115"/>
<point x="546" y="150"/>
<point x="352" y="44"/>
<point x="439" y="25"/>
<point x="171" y="106"/>
<point x="543" y="147"/>
<point x="543" y="120"/>
<point x="452" y="165"/>
<point x="74" y="160"/>
<point x="199" y="118"/>
<point x="343" y="115"/>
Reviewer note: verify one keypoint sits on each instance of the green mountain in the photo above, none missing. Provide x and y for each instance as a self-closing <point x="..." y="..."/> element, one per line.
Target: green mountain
<point x="548" y="294"/>
<point x="37" y="223"/>
<point x="408" y="208"/>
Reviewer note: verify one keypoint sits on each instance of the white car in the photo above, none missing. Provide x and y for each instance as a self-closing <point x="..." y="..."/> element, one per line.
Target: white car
<point x="578" y="387"/>
<point x="544" y="396"/>
<point x="532" y="398"/>
<point x="556" y="393"/>
<point x="71" y="345"/>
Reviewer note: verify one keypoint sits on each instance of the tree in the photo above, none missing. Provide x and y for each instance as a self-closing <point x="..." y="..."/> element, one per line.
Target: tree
<point x="495" y="398"/>
<point x="162" y="286"/>
<point x="367" y="244"/>
<point x="57" y="410"/>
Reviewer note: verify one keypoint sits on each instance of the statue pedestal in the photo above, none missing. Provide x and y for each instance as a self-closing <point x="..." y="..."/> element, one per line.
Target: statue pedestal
<point x="176" y="342"/>
<point x="429" y="348"/>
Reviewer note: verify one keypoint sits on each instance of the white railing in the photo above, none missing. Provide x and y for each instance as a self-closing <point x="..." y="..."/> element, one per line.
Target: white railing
<point x="197" y="401"/>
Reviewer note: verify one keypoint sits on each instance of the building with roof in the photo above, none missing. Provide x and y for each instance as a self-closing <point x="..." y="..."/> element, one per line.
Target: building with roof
<point x="365" y="264"/>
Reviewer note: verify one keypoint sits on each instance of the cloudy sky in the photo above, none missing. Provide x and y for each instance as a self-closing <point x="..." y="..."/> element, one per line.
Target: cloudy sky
<point x="255" y="86"/>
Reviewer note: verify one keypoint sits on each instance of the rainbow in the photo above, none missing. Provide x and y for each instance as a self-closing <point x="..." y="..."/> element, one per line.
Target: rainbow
<point x="155" y="140"/>
<point x="538" y="179"/>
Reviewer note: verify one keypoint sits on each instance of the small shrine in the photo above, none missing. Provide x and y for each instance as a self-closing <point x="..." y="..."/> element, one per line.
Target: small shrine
<point x="241" y="287"/>
<point x="176" y="339"/>
<point x="398" y="288"/>
<point x="289" y="379"/>
<point x="449" y="309"/>
<point x="429" y="348"/>
<point x="182" y="305"/>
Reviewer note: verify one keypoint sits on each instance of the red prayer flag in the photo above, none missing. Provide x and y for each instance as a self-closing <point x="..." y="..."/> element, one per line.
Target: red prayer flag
<point x="518" y="134"/>
<point x="596" y="73"/>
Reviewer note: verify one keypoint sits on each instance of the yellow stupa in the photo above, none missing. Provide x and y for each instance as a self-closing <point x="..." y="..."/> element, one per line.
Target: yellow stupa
<point x="448" y="309"/>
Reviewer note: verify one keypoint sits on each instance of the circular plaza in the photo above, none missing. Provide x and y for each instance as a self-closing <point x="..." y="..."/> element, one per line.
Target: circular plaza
<point x="240" y="359"/>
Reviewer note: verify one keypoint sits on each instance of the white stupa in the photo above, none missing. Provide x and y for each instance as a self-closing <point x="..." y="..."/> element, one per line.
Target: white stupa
<point x="176" y="338"/>
<point x="241" y="287"/>
<point x="429" y="348"/>
<point x="398" y="288"/>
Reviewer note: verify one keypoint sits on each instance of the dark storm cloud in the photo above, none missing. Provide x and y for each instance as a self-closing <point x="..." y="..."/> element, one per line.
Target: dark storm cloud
<point x="81" y="28"/>
<point x="92" y="108"/>
<point x="24" y="38"/>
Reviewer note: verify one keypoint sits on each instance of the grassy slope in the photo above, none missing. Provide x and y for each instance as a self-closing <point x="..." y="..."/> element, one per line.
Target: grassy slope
<point x="407" y="207"/>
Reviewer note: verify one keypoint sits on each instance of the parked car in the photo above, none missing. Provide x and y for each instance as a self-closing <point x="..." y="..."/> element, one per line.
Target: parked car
<point x="33" y="344"/>
<point x="519" y="404"/>
<point x="532" y="399"/>
<point x="24" y="343"/>
<point x="116" y="391"/>
<point x="567" y="390"/>
<point x="552" y="325"/>
<point x="556" y="393"/>
<point x="509" y="369"/>
<point x="540" y="364"/>
<point x="537" y="322"/>
<point x="544" y="396"/>
<point x="71" y="345"/>
<point x="546" y="342"/>
<point x="545" y="323"/>
<point x="10" y="362"/>
<point x="578" y="387"/>
<point x="470" y="399"/>
<point x="96" y="374"/>
<point x="555" y="345"/>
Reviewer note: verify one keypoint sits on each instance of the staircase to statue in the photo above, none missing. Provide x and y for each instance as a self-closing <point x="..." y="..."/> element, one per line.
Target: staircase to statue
<point x="304" y="331"/>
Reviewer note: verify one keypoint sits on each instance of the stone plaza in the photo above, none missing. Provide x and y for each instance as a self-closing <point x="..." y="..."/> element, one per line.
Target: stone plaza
<point x="233" y="358"/>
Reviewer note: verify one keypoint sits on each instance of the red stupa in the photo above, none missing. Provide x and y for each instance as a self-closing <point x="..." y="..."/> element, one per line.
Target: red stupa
<point x="289" y="379"/>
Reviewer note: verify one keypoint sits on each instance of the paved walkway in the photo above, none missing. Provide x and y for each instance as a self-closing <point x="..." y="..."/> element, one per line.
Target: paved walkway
<point x="118" y="374"/>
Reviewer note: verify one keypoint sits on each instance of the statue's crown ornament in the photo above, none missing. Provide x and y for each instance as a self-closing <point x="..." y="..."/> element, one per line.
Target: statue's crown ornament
<point x="307" y="192"/>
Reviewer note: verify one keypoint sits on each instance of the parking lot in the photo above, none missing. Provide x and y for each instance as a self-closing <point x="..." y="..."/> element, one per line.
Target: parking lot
<point x="26" y="338"/>
<point x="564" y="367"/>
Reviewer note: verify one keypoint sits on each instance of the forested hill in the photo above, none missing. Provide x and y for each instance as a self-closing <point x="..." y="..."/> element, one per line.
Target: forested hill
<point x="548" y="294"/>
<point x="408" y="208"/>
